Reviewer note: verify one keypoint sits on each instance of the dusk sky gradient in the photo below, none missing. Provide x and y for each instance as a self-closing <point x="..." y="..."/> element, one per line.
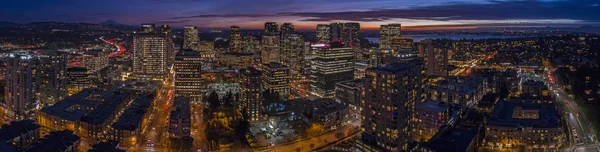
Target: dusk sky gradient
<point x="305" y="14"/>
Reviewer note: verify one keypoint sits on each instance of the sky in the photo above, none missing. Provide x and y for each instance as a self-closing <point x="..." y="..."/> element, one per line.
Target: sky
<point x="305" y="14"/>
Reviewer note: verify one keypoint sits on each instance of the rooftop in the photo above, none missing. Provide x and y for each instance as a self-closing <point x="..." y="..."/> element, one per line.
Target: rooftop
<point x="356" y="83"/>
<point x="325" y="106"/>
<point x="132" y="117"/>
<point x="504" y="110"/>
<point x="450" y="139"/>
<point x="108" y="146"/>
<point x="56" y="141"/>
<point x="16" y="129"/>
<point x="187" y="53"/>
<point x="432" y="106"/>
<point x="393" y="67"/>
<point x="73" y="107"/>
<point x="182" y="108"/>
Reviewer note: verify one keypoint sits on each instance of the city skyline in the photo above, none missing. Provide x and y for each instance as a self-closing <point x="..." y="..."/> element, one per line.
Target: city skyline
<point x="305" y="15"/>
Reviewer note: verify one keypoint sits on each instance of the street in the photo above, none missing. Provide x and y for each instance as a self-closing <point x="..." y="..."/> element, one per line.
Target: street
<point x="582" y="137"/>
<point x="158" y="133"/>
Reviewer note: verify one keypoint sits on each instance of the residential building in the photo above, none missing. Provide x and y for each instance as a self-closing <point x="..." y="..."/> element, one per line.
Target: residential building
<point x="63" y="141"/>
<point x="466" y="91"/>
<point x="517" y="123"/>
<point x="19" y="90"/>
<point x="150" y="56"/>
<point x="436" y="59"/>
<point x="21" y="134"/>
<point x="430" y="117"/>
<point x="51" y="77"/>
<point x="129" y="126"/>
<point x="251" y="94"/>
<point x="148" y="28"/>
<point x="451" y="139"/>
<point x="391" y="92"/>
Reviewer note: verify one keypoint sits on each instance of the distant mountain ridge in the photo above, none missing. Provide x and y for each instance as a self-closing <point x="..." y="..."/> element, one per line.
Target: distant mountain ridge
<point x="110" y="22"/>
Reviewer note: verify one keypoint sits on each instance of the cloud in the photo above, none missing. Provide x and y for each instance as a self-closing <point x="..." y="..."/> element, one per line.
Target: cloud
<point x="583" y="10"/>
<point x="171" y="21"/>
<point x="226" y="15"/>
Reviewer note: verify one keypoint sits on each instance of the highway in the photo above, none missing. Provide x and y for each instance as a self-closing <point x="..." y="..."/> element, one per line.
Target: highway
<point x="580" y="132"/>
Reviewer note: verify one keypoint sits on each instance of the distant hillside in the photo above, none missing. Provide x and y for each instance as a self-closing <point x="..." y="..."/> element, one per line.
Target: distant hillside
<point x="8" y="24"/>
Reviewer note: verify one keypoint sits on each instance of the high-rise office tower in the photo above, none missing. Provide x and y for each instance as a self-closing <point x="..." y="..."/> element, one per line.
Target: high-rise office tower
<point x="331" y="63"/>
<point x="208" y="53"/>
<point x="235" y="39"/>
<point x="291" y="51"/>
<point x="190" y="37"/>
<point x="251" y="94"/>
<point x="188" y="82"/>
<point x="19" y="87"/>
<point x="251" y="44"/>
<point x="148" y="28"/>
<point x="271" y="27"/>
<point x="336" y="30"/>
<point x="276" y="78"/>
<point x="165" y="29"/>
<point x="95" y="60"/>
<point x="270" y="48"/>
<point x="351" y="34"/>
<point x="398" y="42"/>
<point x="286" y="29"/>
<point x="435" y="59"/>
<point x="51" y="76"/>
<point x="323" y="33"/>
<point x="386" y="32"/>
<point x="150" y="55"/>
<point x="391" y="92"/>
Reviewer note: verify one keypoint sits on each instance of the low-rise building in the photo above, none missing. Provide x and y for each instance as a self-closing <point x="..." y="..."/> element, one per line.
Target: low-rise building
<point x="107" y="146"/>
<point x="237" y="60"/>
<point x="450" y="139"/>
<point x="458" y="90"/>
<point x="519" y="123"/>
<point x="350" y="93"/>
<point x="65" y="114"/>
<point x="180" y="119"/>
<point x="21" y="134"/>
<point x="430" y="116"/>
<point x="128" y="128"/>
<point x="63" y="141"/>
<point x="93" y="125"/>
<point x="326" y="112"/>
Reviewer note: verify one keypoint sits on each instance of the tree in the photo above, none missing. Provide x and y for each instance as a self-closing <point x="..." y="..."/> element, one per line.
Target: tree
<point x="315" y="129"/>
<point x="228" y="100"/>
<point x="214" y="104"/>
